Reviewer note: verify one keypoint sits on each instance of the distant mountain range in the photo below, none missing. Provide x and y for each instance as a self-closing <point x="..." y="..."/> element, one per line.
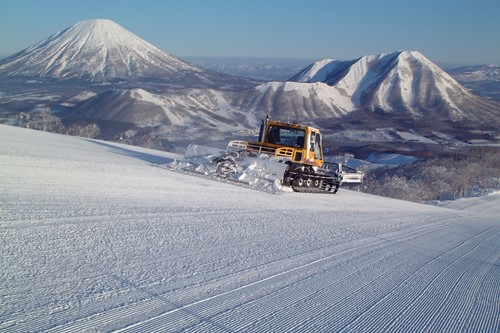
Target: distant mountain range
<point x="476" y="73"/>
<point x="484" y="80"/>
<point x="98" y="74"/>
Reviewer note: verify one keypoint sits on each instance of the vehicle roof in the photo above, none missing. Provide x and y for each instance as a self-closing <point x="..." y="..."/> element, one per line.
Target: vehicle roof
<point x="293" y="125"/>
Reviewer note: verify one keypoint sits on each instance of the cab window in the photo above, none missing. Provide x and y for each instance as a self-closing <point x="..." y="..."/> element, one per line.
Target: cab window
<point x="286" y="136"/>
<point x="316" y="145"/>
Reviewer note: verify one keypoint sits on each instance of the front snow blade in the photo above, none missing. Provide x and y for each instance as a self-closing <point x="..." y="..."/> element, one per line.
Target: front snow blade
<point x="261" y="173"/>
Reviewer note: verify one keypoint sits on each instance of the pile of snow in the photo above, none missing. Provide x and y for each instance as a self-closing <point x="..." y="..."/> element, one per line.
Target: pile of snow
<point x="488" y="204"/>
<point x="94" y="237"/>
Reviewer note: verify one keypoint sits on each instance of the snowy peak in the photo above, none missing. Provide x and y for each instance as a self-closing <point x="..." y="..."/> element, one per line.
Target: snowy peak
<point x="332" y="71"/>
<point x="100" y="33"/>
<point x="101" y="51"/>
<point x="94" y="50"/>
<point x="402" y="81"/>
<point x="104" y="36"/>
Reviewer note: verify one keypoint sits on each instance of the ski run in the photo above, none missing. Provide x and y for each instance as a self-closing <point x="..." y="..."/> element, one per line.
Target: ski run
<point x="95" y="238"/>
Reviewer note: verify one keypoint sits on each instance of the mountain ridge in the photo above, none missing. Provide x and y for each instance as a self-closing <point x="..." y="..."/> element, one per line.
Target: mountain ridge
<point x="401" y="81"/>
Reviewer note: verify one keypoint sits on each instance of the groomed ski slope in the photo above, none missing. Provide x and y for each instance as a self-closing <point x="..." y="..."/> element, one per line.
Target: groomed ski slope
<point x="94" y="238"/>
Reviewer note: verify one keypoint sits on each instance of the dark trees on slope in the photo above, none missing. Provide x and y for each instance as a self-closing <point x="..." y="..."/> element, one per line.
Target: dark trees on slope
<point x="477" y="171"/>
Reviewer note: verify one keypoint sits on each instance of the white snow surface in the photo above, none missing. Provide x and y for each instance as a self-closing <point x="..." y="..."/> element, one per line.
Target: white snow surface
<point x="95" y="237"/>
<point x="318" y="71"/>
<point x="330" y="97"/>
<point x="414" y="137"/>
<point x="397" y="159"/>
<point x="486" y="204"/>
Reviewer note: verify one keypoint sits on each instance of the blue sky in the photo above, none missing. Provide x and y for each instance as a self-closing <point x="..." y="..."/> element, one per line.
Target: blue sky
<point x="448" y="32"/>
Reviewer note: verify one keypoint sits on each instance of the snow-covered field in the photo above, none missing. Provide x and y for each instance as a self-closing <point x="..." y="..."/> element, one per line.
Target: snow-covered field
<point x="489" y="204"/>
<point x="95" y="238"/>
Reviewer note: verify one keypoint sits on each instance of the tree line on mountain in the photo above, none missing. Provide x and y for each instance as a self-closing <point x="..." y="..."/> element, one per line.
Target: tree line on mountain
<point x="472" y="171"/>
<point x="44" y="120"/>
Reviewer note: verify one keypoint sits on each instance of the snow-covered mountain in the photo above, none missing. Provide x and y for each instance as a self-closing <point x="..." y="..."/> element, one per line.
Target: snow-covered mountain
<point x="188" y="111"/>
<point x="294" y="101"/>
<point x="96" y="239"/>
<point x="400" y="82"/>
<point x="102" y="51"/>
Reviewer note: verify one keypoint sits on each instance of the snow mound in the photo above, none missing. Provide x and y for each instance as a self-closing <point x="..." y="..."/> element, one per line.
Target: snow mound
<point x="488" y="204"/>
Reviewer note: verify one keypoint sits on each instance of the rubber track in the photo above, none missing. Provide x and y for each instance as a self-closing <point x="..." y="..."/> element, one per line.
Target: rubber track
<point x="329" y="184"/>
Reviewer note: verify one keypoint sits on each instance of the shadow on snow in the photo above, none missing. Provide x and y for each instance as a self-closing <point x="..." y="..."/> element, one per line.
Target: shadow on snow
<point x="150" y="158"/>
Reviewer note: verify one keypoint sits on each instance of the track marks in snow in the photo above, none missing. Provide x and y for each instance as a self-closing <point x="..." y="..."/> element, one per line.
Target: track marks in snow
<point x="429" y="289"/>
<point x="269" y="291"/>
<point x="330" y="300"/>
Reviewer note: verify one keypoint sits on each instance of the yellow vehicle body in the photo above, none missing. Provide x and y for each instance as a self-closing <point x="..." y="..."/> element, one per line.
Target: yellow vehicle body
<point x="296" y="143"/>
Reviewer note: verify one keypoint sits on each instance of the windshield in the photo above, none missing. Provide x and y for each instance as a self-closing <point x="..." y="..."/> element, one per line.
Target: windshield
<point x="286" y="136"/>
